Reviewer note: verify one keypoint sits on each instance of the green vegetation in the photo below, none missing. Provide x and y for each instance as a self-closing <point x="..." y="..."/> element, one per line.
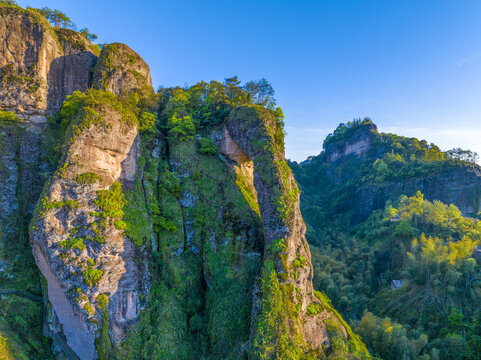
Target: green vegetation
<point x="56" y="17"/>
<point x="72" y="243"/>
<point x="9" y="3"/>
<point x="45" y="205"/>
<point x="92" y="276"/>
<point x="147" y="122"/>
<point x="102" y="301"/>
<point x="88" y="178"/>
<point x="89" y="308"/>
<point x="111" y="201"/>
<point x="429" y="248"/>
<point x="275" y="338"/>
<point x="344" y="131"/>
<point x="207" y="146"/>
<point x="9" y="116"/>
<point x="21" y="317"/>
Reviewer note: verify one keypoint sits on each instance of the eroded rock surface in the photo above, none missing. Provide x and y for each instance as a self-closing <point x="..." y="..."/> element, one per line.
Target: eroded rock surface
<point x="38" y="68"/>
<point x="357" y="145"/>
<point x="121" y="70"/>
<point x="254" y="132"/>
<point x="70" y="215"/>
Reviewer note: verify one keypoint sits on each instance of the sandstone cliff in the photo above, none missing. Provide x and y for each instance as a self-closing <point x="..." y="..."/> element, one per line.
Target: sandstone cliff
<point x="38" y="68"/>
<point x="89" y="263"/>
<point x="360" y="170"/>
<point x="258" y="136"/>
<point x="171" y="226"/>
<point x="121" y="70"/>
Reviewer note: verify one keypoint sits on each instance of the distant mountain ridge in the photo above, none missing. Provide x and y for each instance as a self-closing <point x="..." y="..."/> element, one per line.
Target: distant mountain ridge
<point x="368" y="169"/>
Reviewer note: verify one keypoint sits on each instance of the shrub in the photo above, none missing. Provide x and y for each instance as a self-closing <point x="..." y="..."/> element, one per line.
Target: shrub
<point x="181" y="128"/>
<point x="9" y="116"/>
<point x="102" y="301"/>
<point x="89" y="308"/>
<point x="147" y="122"/>
<point x="111" y="201"/>
<point x="207" y="146"/>
<point x="92" y="276"/>
<point x="88" y="178"/>
<point x="120" y="225"/>
<point x="314" y="308"/>
<point x="72" y="243"/>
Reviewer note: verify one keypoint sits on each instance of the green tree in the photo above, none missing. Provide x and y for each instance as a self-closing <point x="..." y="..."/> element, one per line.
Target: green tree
<point x="56" y="17"/>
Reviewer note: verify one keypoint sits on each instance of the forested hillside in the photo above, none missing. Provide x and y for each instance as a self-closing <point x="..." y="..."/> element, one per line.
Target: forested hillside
<point x="402" y="267"/>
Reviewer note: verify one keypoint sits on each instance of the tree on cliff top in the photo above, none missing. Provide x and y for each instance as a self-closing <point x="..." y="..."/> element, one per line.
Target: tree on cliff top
<point x="56" y="17"/>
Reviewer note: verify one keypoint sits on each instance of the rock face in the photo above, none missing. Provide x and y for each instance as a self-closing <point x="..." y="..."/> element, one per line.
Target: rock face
<point x="76" y="240"/>
<point x="28" y="45"/>
<point x="38" y="68"/>
<point x="252" y="134"/>
<point x="349" y="161"/>
<point x="71" y="71"/>
<point x="121" y="70"/>
<point x="225" y="233"/>
<point x="459" y="186"/>
<point x="357" y="145"/>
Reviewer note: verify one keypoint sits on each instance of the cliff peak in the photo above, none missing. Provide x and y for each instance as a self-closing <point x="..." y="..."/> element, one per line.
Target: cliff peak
<point x="354" y="138"/>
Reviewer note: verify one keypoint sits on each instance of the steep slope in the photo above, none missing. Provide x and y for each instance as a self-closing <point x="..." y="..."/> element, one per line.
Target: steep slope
<point x="166" y="226"/>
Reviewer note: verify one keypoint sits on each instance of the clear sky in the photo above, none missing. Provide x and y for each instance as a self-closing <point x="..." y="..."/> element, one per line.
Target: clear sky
<point x="413" y="66"/>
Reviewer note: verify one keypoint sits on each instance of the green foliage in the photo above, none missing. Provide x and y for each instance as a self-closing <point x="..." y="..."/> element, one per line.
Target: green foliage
<point x="261" y="93"/>
<point x="207" y="146"/>
<point x="209" y="104"/>
<point x="102" y="301"/>
<point x="248" y="190"/>
<point x="82" y="110"/>
<point x="88" y="178"/>
<point x="120" y="225"/>
<point x="289" y="193"/>
<point x="147" y="122"/>
<point x="56" y="17"/>
<point x="103" y="344"/>
<point x="72" y="243"/>
<point x="344" y="131"/>
<point x="89" y="308"/>
<point x="92" y="276"/>
<point x="440" y="278"/>
<point x="9" y="3"/>
<point x="4" y="351"/>
<point x="111" y="201"/>
<point x="9" y="116"/>
<point x="314" y="308"/>
<point x="88" y="35"/>
<point x="273" y="336"/>
<point x="299" y="262"/>
<point x="46" y="205"/>
<point x="181" y="129"/>
<point x="390" y="340"/>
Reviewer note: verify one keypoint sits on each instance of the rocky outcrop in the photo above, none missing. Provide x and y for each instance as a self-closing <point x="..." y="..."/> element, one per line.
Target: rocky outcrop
<point x="39" y="66"/>
<point x="252" y="134"/>
<point x="78" y="243"/>
<point x="121" y="70"/>
<point x="356" y="145"/>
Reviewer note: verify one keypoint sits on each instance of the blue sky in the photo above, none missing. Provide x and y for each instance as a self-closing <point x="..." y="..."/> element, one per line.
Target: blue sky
<point x="413" y="66"/>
